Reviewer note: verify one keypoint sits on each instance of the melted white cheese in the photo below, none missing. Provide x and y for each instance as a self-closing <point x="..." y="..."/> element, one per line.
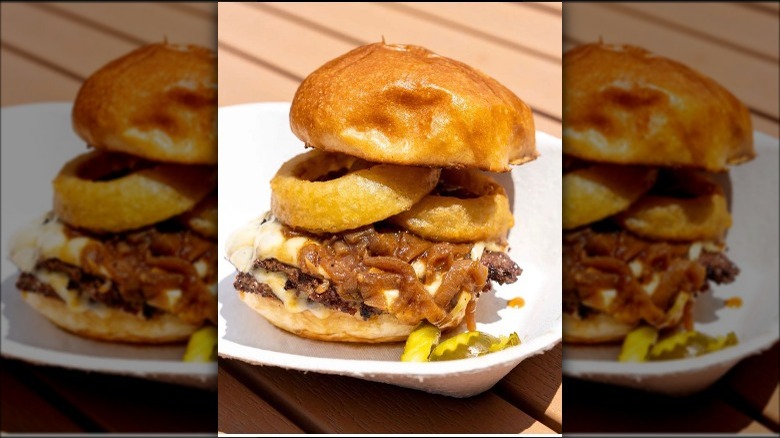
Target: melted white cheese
<point x="263" y="239"/>
<point x="45" y="240"/>
<point x="291" y="300"/>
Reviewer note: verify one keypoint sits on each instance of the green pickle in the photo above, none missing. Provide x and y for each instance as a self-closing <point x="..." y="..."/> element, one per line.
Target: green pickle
<point x="642" y="344"/>
<point x="637" y="344"/>
<point x="420" y="343"/>
<point x="202" y="346"/>
<point x="472" y="344"/>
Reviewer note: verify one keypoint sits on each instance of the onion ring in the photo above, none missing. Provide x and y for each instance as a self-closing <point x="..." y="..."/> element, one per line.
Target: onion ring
<point x="88" y="194"/>
<point x="686" y="205"/>
<point x="203" y="217"/>
<point x="303" y="197"/>
<point x="602" y="190"/>
<point x="453" y="219"/>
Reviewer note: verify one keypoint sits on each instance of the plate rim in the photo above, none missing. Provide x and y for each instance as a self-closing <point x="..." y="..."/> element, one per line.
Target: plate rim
<point x="262" y="357"/>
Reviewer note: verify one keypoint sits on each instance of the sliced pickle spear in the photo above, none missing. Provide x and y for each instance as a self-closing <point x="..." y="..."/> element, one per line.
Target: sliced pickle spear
<point x="202" y="346"/>
<point x="637" y="344"/>
<point x="472" y="344"/>
<point x="420" y="343"/>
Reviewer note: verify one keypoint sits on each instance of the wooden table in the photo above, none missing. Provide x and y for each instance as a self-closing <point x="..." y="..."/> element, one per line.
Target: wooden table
<point x="737" y="45"/>
<point x="47" y="51"/>
<point x="265" y="50"/>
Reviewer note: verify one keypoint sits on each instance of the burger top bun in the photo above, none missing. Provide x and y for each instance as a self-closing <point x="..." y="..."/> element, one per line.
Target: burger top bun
<point x="625" y="105"/>
<point x="158" y="102"/>
<point x="406" y="105"/>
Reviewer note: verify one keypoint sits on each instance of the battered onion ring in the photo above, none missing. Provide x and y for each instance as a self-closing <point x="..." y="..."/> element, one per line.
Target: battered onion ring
<point x="602" y="190"/>
<point x="87" y="196"/>
<point x="365" y="194"/>
<point x="452" y="219"/>
<point x="687" y="205"/>
<point x="203" y="217"/>
<point x="658" y="217"/>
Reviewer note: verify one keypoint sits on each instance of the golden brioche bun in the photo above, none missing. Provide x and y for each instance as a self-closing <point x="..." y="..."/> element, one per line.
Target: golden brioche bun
<point x="115" y="326"/>
<point x="337" y="326"/>
<point x="158" y="102"/>
<point x="595" y="329"/>
<point x="403" y="104"/>
<point x="625" y="105"/>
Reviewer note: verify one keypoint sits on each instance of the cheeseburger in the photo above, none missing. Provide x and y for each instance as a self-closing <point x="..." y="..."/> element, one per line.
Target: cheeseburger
<point x="390" y="219"/>
<point x="647" y="142"/>
<point x="129" y="251"/>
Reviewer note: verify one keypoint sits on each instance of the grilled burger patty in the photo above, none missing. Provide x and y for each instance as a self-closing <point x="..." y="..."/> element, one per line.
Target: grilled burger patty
<point x="501" y="269"/>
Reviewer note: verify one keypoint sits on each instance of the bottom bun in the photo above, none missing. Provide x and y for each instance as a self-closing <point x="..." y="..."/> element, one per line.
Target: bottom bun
<point x="595" y="329"/>
<point x="339" y="326"/>
<point x="113" y="325"/>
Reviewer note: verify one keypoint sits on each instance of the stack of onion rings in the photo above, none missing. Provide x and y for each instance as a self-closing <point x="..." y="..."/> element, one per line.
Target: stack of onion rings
<point x="88" y="194"/>
<point x="437" y="217"/>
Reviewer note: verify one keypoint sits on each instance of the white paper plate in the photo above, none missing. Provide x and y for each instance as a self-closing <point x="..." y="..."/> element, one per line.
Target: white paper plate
<point x="37" y="140"/>
<point x="753" y="246"/>
<point x="254" y="141"/>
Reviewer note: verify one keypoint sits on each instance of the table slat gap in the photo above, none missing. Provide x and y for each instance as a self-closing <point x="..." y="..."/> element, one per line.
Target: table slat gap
<point x="471" y="30"/>
<point x="309" y="23"/>
<point x="554" y="8"/>
<point x="639" y="13"/>
<point x="254" y="59"/>
<point x="767" y="7"/>
<point x="193" y="9"/>
<point x="242" y="411"/>
<point x="56" y="10"/>
<point x="18" y="396"/>
<point x="42" y="62"/>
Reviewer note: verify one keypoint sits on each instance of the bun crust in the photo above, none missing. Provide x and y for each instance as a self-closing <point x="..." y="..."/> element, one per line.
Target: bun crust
<point x="625" y="105"/>
<point x="116" y="326"/>
<point x="595" y="329"/>
<point x="403" y="104"/>
<point x="337" y="326"/>
<point x="158" y="102"/>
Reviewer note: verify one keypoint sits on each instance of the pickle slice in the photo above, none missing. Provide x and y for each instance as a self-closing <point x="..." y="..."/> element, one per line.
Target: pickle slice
<point x="202" y="346"/>
<point x="637" y="344"/>
<point x="472" y="344"/>
<point x="689" y="344"/>
<point x="420" y="343"/>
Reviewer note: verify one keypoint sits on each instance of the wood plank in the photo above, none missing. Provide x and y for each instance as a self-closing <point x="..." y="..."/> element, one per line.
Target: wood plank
<point x="147" y="22"/>
<point x="204" y="7"/>
<point x="61" y="41"/>
<point x="133" y="405"/>
<point x="599" y="408"/>
<point x="535" y="387"/>
<point x="25" y="81"/>
<point x="18" y="401"/>
<point x="242" y="411"/>
<point x="771" y="7"/>
<point x="527" y="29"/>
<point x="728" y="24"/>
<point x="321" y="403"/>
<point x="753" y="385"/>
<point x="755" y="81"/>
<point x="550" y="6"/>
<point x="535" y="80"/>
<point x="242" y="81"/>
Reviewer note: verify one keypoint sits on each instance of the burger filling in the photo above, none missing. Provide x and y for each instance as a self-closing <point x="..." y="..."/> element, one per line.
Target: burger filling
<point x="632" y="279"/>
<point x="368" y="271"/>
<point x="163" y="268"/>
